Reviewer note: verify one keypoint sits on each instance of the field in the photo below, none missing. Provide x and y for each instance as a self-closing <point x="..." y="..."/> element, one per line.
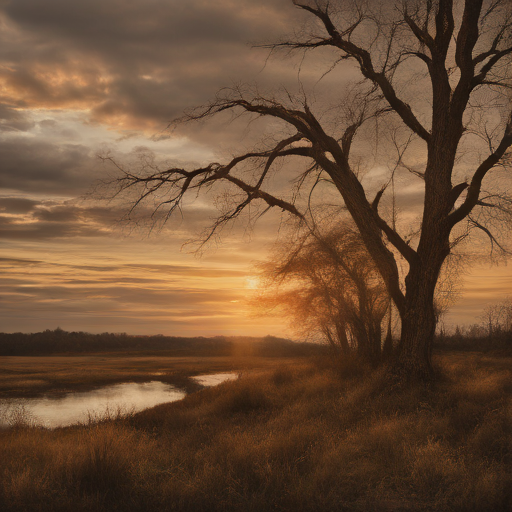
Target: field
<point x="295" y="435"/>
<point x="31" y="376"/>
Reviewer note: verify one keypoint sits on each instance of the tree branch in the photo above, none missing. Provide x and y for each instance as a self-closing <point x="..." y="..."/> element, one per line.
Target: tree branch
<point x="488" y="232"/>
<point x="475" y="186"/>
<point x="366" y="66"/>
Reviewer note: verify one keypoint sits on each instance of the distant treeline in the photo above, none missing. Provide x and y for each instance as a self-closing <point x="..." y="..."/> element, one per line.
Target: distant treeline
<point x="59" y="341"/>
<point x="470" y="339"/>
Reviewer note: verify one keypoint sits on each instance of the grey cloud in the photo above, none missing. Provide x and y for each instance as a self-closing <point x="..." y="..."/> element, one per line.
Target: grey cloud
<point x="186" y="51"/>
<point x="45" y="231"/>
<point x="17" y="204"/>
<point x="51" y="126"/>
<point x="58" y="214"/>
<point x="40" y="167"/>
<point x="13" y="120"/>
<point x="143" y="23"/>
<point x="6" y="220"/>
<point x="410" y="200"/>
<point x="50" y="220"/>
<point x="26" y="219"/>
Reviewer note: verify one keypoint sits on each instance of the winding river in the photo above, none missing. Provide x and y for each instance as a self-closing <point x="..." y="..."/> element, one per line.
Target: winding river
<point x="82" y="407"/>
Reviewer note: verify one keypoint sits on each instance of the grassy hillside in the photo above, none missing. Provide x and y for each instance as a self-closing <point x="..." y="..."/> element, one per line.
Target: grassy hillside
<point x="308" y="438"/>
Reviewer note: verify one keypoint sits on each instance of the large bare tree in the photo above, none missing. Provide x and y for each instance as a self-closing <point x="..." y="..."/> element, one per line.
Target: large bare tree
<point x="434" y="75"/>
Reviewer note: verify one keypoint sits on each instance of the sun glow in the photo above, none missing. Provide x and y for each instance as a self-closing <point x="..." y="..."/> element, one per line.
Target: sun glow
<point x="252" y="283"/>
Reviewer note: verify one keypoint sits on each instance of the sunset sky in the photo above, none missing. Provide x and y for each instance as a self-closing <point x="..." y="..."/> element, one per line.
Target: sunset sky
<point x="82" y="79"/>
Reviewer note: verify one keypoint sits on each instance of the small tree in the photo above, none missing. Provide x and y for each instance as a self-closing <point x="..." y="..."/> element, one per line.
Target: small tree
<point x="329" y="285"/>
<point x="434" y="81"/>
<point x="497" y="318"/>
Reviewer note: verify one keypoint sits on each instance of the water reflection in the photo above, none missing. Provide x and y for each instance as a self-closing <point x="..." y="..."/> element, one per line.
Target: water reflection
<point x="214" y="378"/>
<point x="80" y="406"/>
<point x="76" y="407"/>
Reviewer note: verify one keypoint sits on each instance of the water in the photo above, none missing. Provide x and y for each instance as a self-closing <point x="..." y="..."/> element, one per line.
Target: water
<point x="214" y="378"/>
<point x="78" y="407"/>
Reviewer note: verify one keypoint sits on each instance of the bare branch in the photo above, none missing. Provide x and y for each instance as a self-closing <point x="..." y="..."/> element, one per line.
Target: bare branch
<point x="422" y="35"/>
<point x="473" y="194"/>
<point x="474" y="223"/>
<point x="363" y="58"/>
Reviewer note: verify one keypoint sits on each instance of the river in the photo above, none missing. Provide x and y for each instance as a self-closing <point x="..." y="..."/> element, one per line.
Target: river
<point x="81" y="407"/>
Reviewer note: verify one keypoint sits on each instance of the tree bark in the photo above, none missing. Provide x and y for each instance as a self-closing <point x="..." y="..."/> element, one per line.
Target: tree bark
<point x="413" y="359"/>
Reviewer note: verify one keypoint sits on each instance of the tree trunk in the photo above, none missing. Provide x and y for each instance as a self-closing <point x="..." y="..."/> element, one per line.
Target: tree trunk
<point x="414" y="356"/>
<point x="413" y="360"/>
<point x="341" y="334"/>
<point x="387" y="349"/>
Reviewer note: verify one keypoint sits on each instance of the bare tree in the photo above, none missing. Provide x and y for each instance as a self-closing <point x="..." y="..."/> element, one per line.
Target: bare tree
<point x="435" y="77"/>
<point x="328" y="284"/>
<point x="497" y="318"/>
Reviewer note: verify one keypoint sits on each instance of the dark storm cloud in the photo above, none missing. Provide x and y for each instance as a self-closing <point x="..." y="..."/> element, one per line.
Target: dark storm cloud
<point x="142" y="59"/>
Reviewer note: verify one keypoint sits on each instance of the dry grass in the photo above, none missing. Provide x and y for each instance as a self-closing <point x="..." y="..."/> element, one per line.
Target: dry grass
<point x="31" y="376"/>
<point x="302" y="438"/>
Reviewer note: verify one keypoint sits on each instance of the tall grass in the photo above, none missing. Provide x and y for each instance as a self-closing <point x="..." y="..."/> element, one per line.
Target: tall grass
<point x="307" y="438"/>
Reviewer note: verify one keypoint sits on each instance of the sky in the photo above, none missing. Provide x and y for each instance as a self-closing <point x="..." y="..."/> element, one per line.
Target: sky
<point x="87" y="79"/>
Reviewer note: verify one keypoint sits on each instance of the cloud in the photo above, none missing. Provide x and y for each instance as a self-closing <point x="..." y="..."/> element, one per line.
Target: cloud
<point x="45" y="231"/>
<point x="150" y="298"/>
<point x="135" y="64"/>
<point x="18" y="261"/>
<point x="82" y="76"/>
<point x="17" y="204"/>
<point x="12" y="119"/>
<point x="27" y="219"/>
<point x="35" y="166"/>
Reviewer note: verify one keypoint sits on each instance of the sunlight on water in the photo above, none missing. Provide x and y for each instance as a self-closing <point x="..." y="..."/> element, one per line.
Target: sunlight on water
<point x="76" y="407"/>
<point x="214" y="378"/>
<point x="79" y="407"/>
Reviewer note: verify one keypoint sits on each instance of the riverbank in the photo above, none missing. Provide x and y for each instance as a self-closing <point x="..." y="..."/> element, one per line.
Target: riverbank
<point x="311" y="437"/>
<point x="35" y="376"/>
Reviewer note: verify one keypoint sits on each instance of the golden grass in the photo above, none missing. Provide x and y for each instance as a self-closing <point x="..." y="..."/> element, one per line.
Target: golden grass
<point x="30" y="376"/>
<point x="302" y="439"/>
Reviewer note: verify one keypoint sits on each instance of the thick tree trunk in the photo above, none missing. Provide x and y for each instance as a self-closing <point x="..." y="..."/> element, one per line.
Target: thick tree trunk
<point x="413" y="359"/>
